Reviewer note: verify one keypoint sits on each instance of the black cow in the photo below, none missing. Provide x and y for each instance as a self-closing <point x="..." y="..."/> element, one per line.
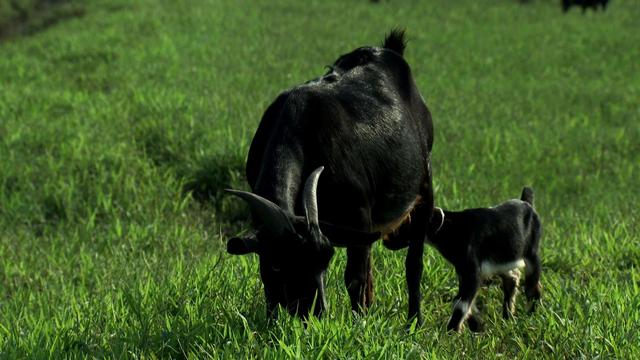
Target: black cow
<point x="365" y="123"/>
<point x="567" y="4"/>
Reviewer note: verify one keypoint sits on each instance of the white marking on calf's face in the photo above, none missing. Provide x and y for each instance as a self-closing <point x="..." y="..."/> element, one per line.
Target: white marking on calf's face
<point x="489" y="268"/>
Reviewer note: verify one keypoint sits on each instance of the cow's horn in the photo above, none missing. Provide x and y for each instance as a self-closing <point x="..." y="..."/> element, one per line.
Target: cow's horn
<point x="270" y="215"/>
<point x="310" y="198"/>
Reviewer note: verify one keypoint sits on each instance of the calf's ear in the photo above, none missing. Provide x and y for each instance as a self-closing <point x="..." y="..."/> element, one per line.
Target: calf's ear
<point x="437" y="220"/>
<point x="242" y="246"/>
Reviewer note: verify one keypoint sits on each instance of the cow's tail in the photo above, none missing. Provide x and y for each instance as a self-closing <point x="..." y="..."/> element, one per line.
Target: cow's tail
<point x="527" y="195"/>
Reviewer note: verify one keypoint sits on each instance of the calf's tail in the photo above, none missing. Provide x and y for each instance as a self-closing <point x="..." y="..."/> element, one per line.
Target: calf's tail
<point x="527" y="195"/>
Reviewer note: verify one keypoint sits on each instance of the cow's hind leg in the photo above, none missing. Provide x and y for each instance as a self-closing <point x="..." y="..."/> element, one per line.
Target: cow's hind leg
<point x="412" y="234"/>
<point x="417" y="230"/>
<point x="414" y="267"/>
<point x="358" y="277"/>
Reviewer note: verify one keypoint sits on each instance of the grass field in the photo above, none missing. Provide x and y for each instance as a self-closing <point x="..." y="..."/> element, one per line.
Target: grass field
<point x="120" y="127"/>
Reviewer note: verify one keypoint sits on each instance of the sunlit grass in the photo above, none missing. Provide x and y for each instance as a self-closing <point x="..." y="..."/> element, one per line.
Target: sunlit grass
<point x="118" y="130"/>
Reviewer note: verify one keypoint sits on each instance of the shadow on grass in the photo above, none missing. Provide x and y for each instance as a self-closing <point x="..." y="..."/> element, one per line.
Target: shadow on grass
<point x="560" y="266"/>
<point x="207" y="181"/>
<point x="213" y="175"/>
<point x="171" y="142"/>
<point x="89" y="70"/>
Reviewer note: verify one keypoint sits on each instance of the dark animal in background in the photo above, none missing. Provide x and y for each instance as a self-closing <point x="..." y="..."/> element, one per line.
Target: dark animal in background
<point x="366" y="124"/>
<point x="585" y="4"/>
<point x="484" y="242"/>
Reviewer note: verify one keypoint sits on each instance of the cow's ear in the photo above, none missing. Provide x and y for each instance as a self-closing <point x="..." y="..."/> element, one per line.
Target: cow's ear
<point x="242" y="246"/>
<point x="395" y="41"/>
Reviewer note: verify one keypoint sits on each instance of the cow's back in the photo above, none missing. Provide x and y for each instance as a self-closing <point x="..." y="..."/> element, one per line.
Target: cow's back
<point x="373" y="141"/>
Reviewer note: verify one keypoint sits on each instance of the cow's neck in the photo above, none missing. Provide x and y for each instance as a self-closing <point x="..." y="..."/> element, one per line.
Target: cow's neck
<point x="280" y="178"/>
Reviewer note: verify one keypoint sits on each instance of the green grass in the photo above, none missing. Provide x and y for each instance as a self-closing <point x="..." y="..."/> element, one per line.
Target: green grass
<point x="119" y="129"/>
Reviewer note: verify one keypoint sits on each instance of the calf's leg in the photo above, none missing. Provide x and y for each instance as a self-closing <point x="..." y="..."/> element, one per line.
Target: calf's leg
<point x="474" y="320"/>
<point x="510" y="289"/>
<point x="532" y="286"/>
<point x="463" y="306"/>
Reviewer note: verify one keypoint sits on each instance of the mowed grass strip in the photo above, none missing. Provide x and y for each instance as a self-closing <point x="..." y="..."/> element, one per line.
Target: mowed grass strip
<point x="118" y="130"/>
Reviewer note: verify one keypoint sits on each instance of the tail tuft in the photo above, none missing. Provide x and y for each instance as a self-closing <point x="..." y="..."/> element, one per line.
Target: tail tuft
<point x="527" y="195"/>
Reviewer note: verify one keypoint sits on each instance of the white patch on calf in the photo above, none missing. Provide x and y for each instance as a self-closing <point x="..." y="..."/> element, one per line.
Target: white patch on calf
<point x="489" y="268"/>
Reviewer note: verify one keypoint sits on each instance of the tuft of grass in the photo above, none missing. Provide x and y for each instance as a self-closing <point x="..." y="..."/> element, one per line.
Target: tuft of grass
<point x="119" y="130"/>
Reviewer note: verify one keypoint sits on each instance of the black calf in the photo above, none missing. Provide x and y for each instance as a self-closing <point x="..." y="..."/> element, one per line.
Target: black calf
<point x="484" y="242"/>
